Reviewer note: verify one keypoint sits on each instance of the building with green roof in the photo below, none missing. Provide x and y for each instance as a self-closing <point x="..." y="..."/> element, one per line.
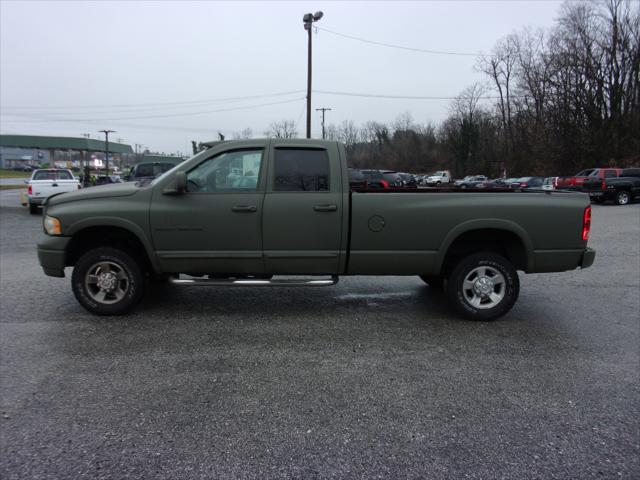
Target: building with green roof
<point x="18" y="151"/>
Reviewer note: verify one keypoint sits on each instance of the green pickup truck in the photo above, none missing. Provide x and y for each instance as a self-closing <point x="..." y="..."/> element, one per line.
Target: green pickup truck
<point x="248" y="213"/>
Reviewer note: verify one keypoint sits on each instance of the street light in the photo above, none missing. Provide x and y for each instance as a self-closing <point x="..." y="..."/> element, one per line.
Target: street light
<point x="106" y="148"/>
<point x="308" y="20"/>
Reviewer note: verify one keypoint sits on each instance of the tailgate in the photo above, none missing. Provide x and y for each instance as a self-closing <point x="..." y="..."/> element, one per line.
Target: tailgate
<point x="46" y="188"/>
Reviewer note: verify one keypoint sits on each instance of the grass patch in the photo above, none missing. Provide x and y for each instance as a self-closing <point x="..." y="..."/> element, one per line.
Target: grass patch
<point x="13" y="174"/>
<point x="11" y="187"/>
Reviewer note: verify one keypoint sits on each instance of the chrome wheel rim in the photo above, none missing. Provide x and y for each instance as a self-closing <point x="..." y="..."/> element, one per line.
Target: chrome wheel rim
<point x="106" y="282"/>
<point x="623" y="198"/>
<point x="484" y="287"/>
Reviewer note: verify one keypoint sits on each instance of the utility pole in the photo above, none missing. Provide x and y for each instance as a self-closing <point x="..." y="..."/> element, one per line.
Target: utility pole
<point x="308" y="20"/>
<point x="106" y="148"/>
<point x="323" y="110"/>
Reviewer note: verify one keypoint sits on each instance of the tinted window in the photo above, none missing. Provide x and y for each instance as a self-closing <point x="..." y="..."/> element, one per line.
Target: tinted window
<point x="301" y="170"/>
<point x="609" y="173"/>
<point x="237" y="170"/>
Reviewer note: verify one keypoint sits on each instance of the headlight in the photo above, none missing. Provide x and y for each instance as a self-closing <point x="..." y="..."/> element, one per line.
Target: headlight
<point x="52" y="225"/>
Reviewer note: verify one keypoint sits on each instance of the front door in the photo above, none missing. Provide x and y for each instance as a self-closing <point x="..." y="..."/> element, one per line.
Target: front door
<point x="215" y="226"/>
<point x="303" y="211"/>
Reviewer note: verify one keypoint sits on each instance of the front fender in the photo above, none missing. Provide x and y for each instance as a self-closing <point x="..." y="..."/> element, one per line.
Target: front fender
<point x="106" y="221"/>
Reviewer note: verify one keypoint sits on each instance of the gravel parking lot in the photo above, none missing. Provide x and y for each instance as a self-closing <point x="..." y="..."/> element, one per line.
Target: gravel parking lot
<point x="370" y="378"/>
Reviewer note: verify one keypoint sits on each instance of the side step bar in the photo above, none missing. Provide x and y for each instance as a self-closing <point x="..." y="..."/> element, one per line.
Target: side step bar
<point x="251" y="282"/>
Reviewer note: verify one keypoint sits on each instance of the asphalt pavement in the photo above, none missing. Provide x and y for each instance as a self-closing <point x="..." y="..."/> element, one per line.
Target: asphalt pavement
<point x="372" y="378"/>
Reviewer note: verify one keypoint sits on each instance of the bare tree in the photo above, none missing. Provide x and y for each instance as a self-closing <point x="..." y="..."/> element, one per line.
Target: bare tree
<point x="243" y="135"/>
<point x="282" y="129"/>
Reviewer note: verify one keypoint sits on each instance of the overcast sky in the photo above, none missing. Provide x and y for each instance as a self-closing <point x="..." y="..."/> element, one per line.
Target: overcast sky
<point x="150" y="69"/>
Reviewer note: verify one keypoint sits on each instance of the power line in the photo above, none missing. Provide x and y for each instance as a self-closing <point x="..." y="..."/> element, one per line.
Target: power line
<point x="156" y="104"/>
<point x="401" y="47"/>
<point x="401" y="97"/>
<point x="41" y="118"/>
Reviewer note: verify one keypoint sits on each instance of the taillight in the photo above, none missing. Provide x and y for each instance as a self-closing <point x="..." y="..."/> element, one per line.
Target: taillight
<point x="603" y="185"/>
<point x="30" y="190"/>
<point x="586" y="223"/>
<point x="524" y="185"/>
<point x="384" y="184"/>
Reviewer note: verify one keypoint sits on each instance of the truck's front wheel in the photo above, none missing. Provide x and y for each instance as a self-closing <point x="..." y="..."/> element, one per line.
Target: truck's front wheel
<point x="483" y="286"/>
<point x="107" y="281"/>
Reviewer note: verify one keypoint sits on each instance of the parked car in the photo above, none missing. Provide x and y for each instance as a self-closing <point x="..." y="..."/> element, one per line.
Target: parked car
<point x="496" y="183"/>
<point x="409" y="180"/>
<point x="549" y="183"/>
<point x="48" y="182"/>
<point x="529" y="183"/>
<point x="374" y="179"/>
<point x="382" y="178"/>
<point x="470" y="181"/>
<point x="439" y="178"/>
<point x="622" y="189"/>
<point x="575" y="182"/>
<point x="302" y="219"/>
<point x="394" y="178"/>
<point x="106" y="180"/>
<point x="147" y="171"/>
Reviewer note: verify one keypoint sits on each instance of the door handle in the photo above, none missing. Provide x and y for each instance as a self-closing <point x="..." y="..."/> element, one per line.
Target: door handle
<point x="325" y="208"/>
<point x="244" y="208"/>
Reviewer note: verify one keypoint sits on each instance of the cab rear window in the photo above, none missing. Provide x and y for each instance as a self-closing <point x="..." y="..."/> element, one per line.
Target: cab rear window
<point x="52" y="175"/>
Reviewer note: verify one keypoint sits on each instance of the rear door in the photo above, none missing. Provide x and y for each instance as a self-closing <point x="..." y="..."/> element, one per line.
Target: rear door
<point x="303" y="209"/>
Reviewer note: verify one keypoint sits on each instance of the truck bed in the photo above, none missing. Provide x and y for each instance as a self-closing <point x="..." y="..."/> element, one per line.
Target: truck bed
<point x="405" y="231"/>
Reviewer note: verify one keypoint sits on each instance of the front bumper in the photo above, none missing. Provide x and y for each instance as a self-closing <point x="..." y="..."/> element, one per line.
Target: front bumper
<point x="52" y="254"/>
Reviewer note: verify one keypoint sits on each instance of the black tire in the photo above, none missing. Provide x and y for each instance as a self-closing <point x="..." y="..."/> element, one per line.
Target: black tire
<point x="33" y="209"/>
<point x="126" y="292"/>
<point x="623" y="197"/>
<point x="435" y="282"/>
<point x="496" y="269"/>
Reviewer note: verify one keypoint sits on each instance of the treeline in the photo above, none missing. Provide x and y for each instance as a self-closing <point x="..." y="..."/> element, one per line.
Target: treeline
<point x="553" y="102"/>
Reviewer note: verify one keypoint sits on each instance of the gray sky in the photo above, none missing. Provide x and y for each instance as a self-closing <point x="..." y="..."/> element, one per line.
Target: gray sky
<point x="126" y="60"/>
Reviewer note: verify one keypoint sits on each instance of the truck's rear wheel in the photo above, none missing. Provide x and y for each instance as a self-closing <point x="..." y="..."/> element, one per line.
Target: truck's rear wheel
<point x="623" y="197"/>
<point x="33" y="209"/>
<point x="483" y="286"/>
<point x="107" y="281"/>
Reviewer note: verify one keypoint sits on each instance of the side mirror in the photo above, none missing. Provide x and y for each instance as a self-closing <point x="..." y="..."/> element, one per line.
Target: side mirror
<point x="180" y="184"/>
<point x="181" y="181"/>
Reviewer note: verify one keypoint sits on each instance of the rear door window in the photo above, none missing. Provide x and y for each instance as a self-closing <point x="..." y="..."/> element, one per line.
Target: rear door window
<point x="301" y="170"/>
